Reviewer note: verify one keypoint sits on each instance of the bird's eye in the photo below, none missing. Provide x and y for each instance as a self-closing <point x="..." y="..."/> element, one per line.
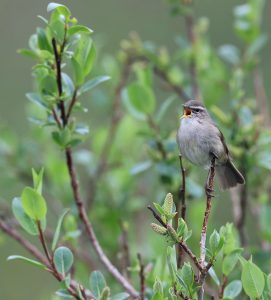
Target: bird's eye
<point x="196" y="110"/>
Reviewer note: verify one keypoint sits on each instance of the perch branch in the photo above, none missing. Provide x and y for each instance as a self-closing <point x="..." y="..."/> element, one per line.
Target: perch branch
<point x="181" y="209"/>
<point x="141" y="276"/>
<point x="209" y="188"/>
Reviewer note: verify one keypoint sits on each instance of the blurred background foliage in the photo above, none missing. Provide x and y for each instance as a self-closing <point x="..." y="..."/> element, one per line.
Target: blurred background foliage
<point x="129" y="159"/>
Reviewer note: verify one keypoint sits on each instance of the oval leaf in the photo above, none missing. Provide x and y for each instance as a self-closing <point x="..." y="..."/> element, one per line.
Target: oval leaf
<point x="63" y="259"/>
<point x="233" y="289"/>
<point x="24" y="220"/>
<point x="252" y="279"/>
<point x="34" y="204"/>
<point x="91" y="84"/>
<point x="97" y="283"/>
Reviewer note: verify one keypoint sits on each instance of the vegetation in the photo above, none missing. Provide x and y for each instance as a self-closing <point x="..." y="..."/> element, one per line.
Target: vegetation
<point x="100" y="223"/>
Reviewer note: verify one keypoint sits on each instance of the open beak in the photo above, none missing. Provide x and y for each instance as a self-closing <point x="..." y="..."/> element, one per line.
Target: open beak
<point x="186" y="113"/>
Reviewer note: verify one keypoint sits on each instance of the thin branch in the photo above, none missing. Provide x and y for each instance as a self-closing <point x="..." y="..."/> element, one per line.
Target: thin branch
<point x="73" y="101"/>
<point x="89" y="229"/>
<point x="182" y="207"/>
<point x="61" y="105"/>
<point x="141" y="276"/>
<point x="43" y="242"/>
<point x="77" y="197"/>
<point x="209" y="188"/>
<point x="14" y="234"/>
<point x="222" y="286"/>
<point x="181" y="243"/>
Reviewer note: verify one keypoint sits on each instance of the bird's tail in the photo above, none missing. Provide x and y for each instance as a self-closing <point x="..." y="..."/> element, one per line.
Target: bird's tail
<point x="228" y="175"/>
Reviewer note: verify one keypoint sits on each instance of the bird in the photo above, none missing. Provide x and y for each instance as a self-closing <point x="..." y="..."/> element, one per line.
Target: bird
<point x="200" y="141"/>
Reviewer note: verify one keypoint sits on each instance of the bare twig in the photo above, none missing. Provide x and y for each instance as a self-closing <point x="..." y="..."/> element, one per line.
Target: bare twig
<point x="141" y="276"/>
<point x="209" y="188"/>
<point x="43" y="243"/>
<point x="181" y="209"/>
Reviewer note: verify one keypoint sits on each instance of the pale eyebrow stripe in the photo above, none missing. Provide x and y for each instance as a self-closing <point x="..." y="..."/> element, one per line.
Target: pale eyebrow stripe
<point x="196" y="107"/>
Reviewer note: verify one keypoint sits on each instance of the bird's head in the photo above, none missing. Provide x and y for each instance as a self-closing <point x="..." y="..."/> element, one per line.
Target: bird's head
<point x="194" y="109"/>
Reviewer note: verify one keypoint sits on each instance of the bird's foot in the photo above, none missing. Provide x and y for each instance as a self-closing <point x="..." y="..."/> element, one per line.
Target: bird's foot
<point x="209" y="191"/>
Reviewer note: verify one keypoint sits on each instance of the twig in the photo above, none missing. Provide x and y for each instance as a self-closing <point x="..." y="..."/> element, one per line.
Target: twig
<point x="73" y="101"/>
<point x="141" y="276"/>
<point x="76" y="193"/>
<point x="89" y="229"/>
<point x="223" y="285"/>
<point x="61" y="105"/>
<point x="14" y="234"/>
<point x="181" y="243"/>
<point x="209" y="188"/>
<point x="181" y="209"/>
<point x="43" y="243"/>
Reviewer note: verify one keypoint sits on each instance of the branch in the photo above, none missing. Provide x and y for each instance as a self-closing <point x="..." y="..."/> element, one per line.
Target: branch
<point x="75" y="189"/>
<point x="209" y="188"/>
<point x="89" y="229"/>
<point x="181" y="243"/>
<point x="14" y="234"/>
<point x="142" y="277"/>
<point x="61" y="105"/>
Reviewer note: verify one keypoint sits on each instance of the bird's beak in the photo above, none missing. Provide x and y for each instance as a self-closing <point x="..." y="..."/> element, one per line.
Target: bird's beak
<point x="186" y="113"/>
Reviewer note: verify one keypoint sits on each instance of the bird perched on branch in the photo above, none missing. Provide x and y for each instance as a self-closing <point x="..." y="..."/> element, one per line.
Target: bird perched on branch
<point x="200" y="141"/>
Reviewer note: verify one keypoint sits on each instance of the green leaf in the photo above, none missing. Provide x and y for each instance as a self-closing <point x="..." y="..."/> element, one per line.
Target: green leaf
<point x="214" y="276"/>
<point x="171" y="262"/>
<point x="187" y="274"/>
<point x="159" y="208"/>
<point x="77" y="71"/>
<point x="230" y="261"/>
<point x="63" y="259"/>
<point x="29" y="53"/>
<point x="58" y="228"/>
<point x="230" y="54"/>
<point x="252" y="279"/>
<point x="216" y="243"/>
<point x="120" y="296"/>
<point x="141" y="98"/>
<point x="63" y="9"/>
<point x="37" y="180"/>
<point x="24" y="220"/>
<point x="97" y="283"/>
<point x="63" y="293"/>
<point x="31" y="261"/>
<point x="33" y="204"/>
<point x="78" y="29"/>
<point x="233" y="289"/>
<point x="90" y="84"/>
<point x="36" y="98"/>
<point x="43" y="42"/>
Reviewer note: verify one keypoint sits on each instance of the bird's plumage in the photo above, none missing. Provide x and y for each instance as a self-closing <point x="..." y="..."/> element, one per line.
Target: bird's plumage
<point x="200" y="140"/>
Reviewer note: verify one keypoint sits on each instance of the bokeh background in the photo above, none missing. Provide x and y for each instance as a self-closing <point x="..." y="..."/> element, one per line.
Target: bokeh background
<point x="112" y="21"/>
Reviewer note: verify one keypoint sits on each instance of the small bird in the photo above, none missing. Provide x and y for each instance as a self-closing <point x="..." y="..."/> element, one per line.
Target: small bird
<point x="200" y="141"/>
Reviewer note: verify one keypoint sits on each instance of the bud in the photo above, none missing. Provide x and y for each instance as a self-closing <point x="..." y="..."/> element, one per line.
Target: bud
<point x="172" y="233"/>
<point x="168" y="204"/>
<point x="158" y="229"/>
<point x="105" y="293"/>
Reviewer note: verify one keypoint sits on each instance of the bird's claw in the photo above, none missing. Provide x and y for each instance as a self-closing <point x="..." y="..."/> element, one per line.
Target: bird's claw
<point x="209" y="191"/>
